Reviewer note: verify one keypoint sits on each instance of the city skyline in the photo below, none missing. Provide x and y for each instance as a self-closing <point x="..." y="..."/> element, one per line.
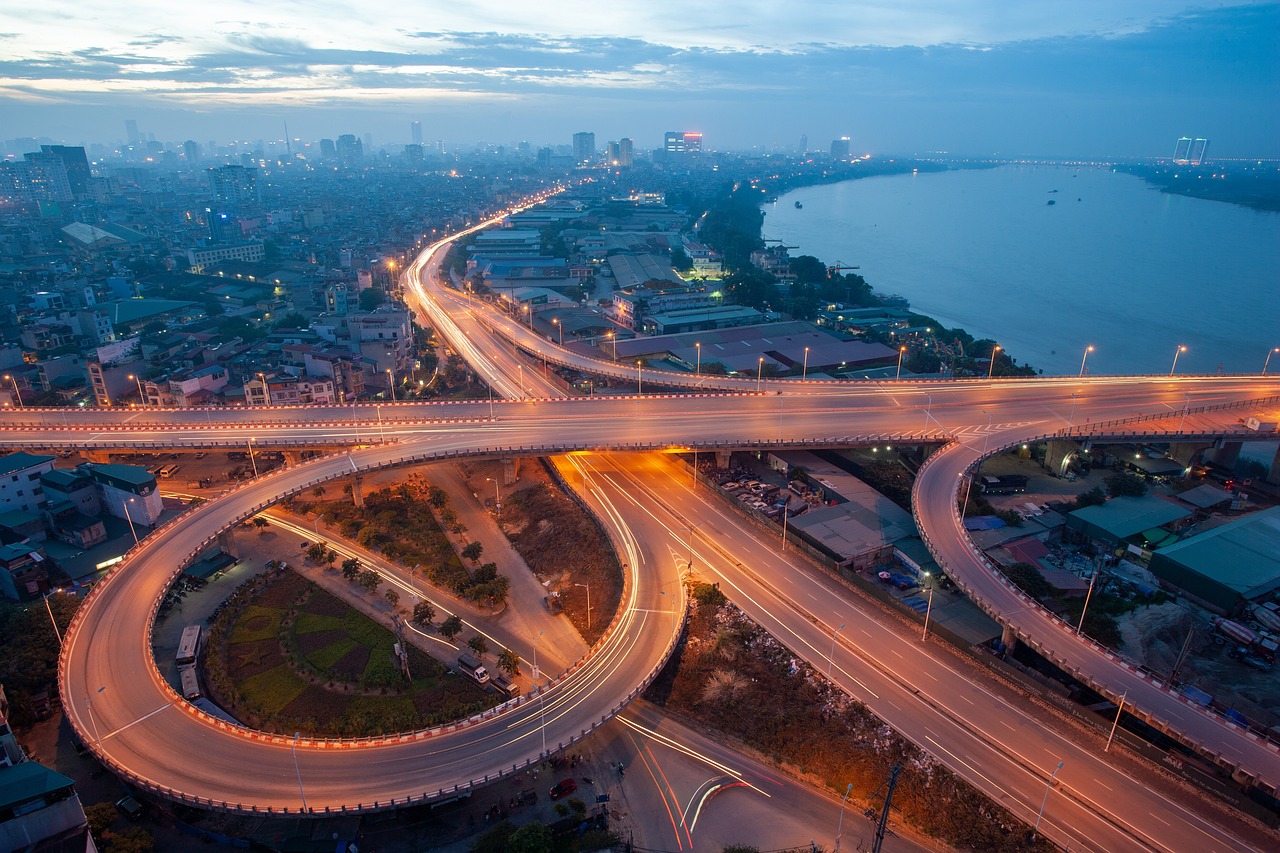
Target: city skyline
<point x="1061" y="80"/>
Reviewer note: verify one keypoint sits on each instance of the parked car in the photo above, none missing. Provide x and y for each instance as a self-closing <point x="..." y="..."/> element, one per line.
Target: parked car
<point x="563" y="788"/>
<point x="130" y="808"/>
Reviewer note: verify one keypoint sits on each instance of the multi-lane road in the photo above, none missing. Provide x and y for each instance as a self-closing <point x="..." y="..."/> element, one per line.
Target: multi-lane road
<point x="117" y="701"/>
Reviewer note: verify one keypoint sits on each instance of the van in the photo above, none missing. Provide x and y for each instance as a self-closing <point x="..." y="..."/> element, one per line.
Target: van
<point x="473" y="668"/>
<point x="167" y="471"/>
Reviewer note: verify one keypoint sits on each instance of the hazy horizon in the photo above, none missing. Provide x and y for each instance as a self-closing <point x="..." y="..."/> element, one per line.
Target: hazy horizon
<point x="1086" y="79"/>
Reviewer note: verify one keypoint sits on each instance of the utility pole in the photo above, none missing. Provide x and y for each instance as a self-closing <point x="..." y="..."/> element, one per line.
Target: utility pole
<point x="882" y="824"/>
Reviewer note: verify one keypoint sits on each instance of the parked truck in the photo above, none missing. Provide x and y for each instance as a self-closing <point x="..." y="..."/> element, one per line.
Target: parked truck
<point x="1236" y="631"/>
<point x="473" y="668"/>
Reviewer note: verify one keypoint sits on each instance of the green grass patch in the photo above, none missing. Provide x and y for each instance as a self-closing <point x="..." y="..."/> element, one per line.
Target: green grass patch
<point x="274" y="689"/>
<point x="257" y="623"/>
<point x="309" y="623"/>
<point x="381" y="668"/>
<point x="326" y="657"/>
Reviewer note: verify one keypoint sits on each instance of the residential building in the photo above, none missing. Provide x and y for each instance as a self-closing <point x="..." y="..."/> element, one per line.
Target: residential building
<point x="250" y="252"/>
<point x="127" y="491"/>
<point x="584" y="148"/>
<point x="840" y="148"/>
<point x="282" y="389"/>
<point x="40" y="810"/>
<point x="20" y="481"/>
<point x="24" y="573"/>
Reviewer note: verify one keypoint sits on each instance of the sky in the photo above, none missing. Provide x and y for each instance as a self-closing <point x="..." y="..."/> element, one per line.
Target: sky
<point x="1006" y="78"/>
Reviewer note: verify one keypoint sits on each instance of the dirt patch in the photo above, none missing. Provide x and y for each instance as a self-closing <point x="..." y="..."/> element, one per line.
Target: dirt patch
<point x="308" y="643"/>
<point x="352" y="665"/>
<point x="323" y="708"/>
<point x="282" y="592"/>
<point x="324" y="604"/>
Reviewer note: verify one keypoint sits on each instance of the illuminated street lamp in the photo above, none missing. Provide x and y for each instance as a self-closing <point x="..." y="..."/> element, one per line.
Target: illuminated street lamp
<point x="698" y="370"/>
<point x="129" y="517"/>
<point x="555" y="321"/>
<point x="391" y="383"/>
<point x="1087" y="350"/>
<point x="1047" y="787"/>
<point x="497" y="503"/>
<point x="16" y="392"/>
<point x="901" y="352"/>
<point x="804" y="374"/>
<point x="639" y="378"/>
<point x="992" y="371"/>
<point x="928" y="608"/>
<point x="614" y="338"/>
<point x="142" y="398"/>
<point x="759" y="374"/>
<point x="266" y="389"/>
<point x="1268" y="361"/>
<point x="1179" y="351"/>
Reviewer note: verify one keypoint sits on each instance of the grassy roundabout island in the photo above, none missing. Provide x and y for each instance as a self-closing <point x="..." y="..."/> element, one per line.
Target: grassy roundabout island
<point x="286" y="656"/>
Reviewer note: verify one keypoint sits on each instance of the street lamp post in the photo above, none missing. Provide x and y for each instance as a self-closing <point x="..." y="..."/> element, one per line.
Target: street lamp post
<point x="690" y="543"/>
<point x="391" y="383"/>
<point x="88" y="706"/>
<point x="784" y="526"/>
<point x="840" y="822"/>
<point x="587" y="587"/>
<point x="294" y="750"/>
<point x="1266" y="363"/>
<point x="992" y="370"/>
<point x="759" y="374"/>
<point x="831" y="654"/>
<point x="613" y="338"/>
<point x="1177" y="352"/>
<point x="542" y="710"/>
<point x="901" y="351"/>
<point x="1087" y="350"/>
<point x="804" y="374"/>
<point x="16" y="392"/>
<point x="129" y="517"/>
<point x="497" y="501"/>
<point x="252" y="459"/>
<point x="142" y="398"/>
<point x="698" y="370"/>
<point x="266" y="389"/>
<point x="56" y="632"/>
<point x="1048" y="786"/>
<point x="1116" y="723"/>
<point x="928" y="609"/>
<point x="1088" y="595"/>
<point x="639" y="379"/>
<point x="315" y="525"/>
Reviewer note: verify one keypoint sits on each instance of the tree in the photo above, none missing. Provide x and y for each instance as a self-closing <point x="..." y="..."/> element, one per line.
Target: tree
<point x="451" y="627"/>
<point x="351" y="568"/>
<point x="478" y="645"/>
<point x="1094" y="497"/>
<point x="423" y="613"/>
<point x="1124" y="484"/>
<point x="261" y="523"/>
<point x="473" y="551"/>
<point x="371" y="299"/>
<point x="714" y="368"/>
<point x="509" y="662"/>
<point x="316" y="552"/>
<point x="101" y="816"/>
<point x="392" y="597"/>
<point x="318" y="492"/>
<point x="370" y="580"/>
<point x="808" y="269"/>
<point x="680" y="260"/>
<point x="135" y="839"/>
<point x="1028" y="578"/>
<point x="437" y="497"/>
<point x="530" y="838"/>
<point x="330" y="557"/>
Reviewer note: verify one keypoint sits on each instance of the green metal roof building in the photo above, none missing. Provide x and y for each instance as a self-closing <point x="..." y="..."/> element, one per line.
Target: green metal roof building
<point x="1227" y="566"/>
<point x="1122" y="519"/>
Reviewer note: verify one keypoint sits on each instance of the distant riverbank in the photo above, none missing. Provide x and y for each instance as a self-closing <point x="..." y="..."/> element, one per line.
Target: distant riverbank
<point x="1256" y="186"/>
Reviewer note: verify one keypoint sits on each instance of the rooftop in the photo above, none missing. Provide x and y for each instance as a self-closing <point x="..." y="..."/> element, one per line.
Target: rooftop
<point x="1124" y="517"/>
<point x="27" y="781"/>
<point x="20" y="460"/>
<point x="1243" y="555"/>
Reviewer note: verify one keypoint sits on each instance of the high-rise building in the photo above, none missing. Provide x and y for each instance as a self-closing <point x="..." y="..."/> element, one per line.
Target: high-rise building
<point x="413" y="153"/>
<point x="131" y="131"/>
<point x="350" y="151"/>
<point x="612" y="153"/>
<point x="584" y="148"/>
<point x="233" y="186"/>
<point x="191" y="150"/>
<point x="625" y="151"/>
<point x="804" y="143"/>
<point x="415" y="132"/>
<point x="673" y="142"/>
<point x="328" y="151"/>
<point x="75" y="161"/>
<point x="692" y="140"/>
<point x="840" y="148"/>
<point x="1189" y="152"/>
<point x="39" y="178"/>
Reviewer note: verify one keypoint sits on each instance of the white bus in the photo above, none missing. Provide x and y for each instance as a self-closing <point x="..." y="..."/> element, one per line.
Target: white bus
<point x="190" y="683"/>
<point x="189" y="647"/>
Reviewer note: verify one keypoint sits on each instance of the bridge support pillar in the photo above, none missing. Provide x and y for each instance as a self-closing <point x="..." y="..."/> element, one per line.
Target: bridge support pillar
<point x="1224" y="454"/>
<point x="510" y="470"/>
<point x="357" y="493"/>
<point x="722" y="458"/>
<point x="1186" y="453"/>
<point x="1009" y="639"/>
<point x="1273" y="476"/>
<point x="101" y="457"/>
<point x="292" y="457"/>
<point x="227" y="542"/>
<point x="1058" y="455"/>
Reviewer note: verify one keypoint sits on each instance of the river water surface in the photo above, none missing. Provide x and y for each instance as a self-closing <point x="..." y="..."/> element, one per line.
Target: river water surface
<point x="1113" y="263"/>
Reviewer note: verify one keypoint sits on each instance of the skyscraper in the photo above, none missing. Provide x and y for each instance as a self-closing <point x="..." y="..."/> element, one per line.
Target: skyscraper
<point x="804" y="143"/>
<point x="1189" y="152"/>
<point x="625" y="148"/>
<point x="328" y="151"/>
<point x="233" y="186"/>
<point x="692" y="140"/>
<point x="840" y="148"/>
<point x="191" y="150"/>
<point x="350" y="150"/>
<point x="76" y="163"/>
<point x="673" y="142"/>
<point x="584" y="148"/>
<point x="1198" y="149"/>
<point x="415" y="132"/>
<point x="131" y="131"/>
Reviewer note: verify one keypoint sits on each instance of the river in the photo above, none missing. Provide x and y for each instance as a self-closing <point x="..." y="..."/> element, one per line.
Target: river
<point x="1112" y="263"/>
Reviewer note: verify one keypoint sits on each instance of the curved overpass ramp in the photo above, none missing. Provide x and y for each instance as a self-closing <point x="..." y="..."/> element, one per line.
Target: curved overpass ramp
<point x="1146" y="694"/>
<point x="118" y="704"/>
